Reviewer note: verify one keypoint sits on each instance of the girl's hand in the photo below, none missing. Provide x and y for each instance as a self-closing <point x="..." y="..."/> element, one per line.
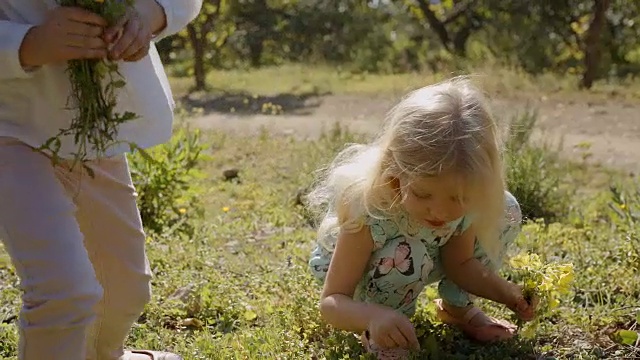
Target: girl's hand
<point x="525" y="310"/>
<point x="391" y="329"/>
<point x="67" y="33"/>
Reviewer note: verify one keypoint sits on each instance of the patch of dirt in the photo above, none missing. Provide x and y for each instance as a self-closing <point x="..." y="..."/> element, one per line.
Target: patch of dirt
<point x="610" y="129"/>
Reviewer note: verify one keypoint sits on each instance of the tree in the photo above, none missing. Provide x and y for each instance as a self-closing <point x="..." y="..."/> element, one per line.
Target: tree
<point x="452" y="21"/>
<point x="208" y="33"/>
<point x="592" y="43"/>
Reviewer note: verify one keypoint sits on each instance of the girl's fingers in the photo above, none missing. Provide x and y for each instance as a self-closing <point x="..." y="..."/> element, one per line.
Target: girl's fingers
<point x="385" y="342"/>
<point x="535" y="302"/>
<point x="409" y="333"/>
<point x="414" y="343"/>
<point x="398" y="339"/>
<point x="527" y="314"/>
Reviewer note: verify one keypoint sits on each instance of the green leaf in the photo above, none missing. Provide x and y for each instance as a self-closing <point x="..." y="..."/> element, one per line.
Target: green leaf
<point x="145" y="155"/>
<point x="626" y="337"/>
<point x="128" y="116"/>
<point x="119" y="84"/>
<point x="101" y="68"/>
<point x="431" y="346"/>
<point x="250" y="315"/>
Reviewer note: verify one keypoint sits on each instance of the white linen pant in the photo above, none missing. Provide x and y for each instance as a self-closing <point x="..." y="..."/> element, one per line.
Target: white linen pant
<point x="77" y="244"/>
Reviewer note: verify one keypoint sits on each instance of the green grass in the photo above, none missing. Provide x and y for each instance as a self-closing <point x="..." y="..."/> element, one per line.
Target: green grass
<point x="238" y="288"/>
<point x="300" y="78"/>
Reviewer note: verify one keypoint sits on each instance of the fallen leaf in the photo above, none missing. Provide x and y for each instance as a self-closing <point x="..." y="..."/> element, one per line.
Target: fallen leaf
<point x="192" y="322"/>
<point x="626" y="337"/>
<point x="250" y="315"/>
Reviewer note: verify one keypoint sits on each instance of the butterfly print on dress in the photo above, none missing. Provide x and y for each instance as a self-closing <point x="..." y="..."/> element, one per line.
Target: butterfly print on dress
<point x="321" y="267"/>
<point x="401" y="261"/>
<point x="380" y="290"/>
<point x="413" y="289"/>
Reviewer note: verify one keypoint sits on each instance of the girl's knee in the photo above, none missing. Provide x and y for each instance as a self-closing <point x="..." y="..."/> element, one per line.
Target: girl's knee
<point x="512" y="221"/>
<point x="319" y="263"/>
<point x="318" y="270"/>
<point x="513" y="211"/>
<point x="453" y="294"/>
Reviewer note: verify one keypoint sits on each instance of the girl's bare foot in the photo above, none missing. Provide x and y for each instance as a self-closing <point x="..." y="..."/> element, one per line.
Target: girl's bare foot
<point x="473" y="322"/>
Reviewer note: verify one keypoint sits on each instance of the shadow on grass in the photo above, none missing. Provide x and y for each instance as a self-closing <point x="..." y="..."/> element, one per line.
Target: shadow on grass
<point x="244" y="103"/>
<point x="438" y="342"/>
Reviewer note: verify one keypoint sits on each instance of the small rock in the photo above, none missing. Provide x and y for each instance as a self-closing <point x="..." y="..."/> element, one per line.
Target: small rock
<point x="299" y="198"/>
<point x="183" y="293"/>
<point x="230" y="174"/>
<point x="232" y="243"/>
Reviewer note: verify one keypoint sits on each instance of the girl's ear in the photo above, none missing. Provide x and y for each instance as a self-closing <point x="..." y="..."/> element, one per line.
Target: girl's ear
<point x="395" y="185"/>
<point x="394" y="182"/>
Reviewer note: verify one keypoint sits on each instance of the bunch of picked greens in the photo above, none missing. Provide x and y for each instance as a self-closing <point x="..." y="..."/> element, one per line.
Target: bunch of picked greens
<point x="94" y="83"/>
<point x="547" y="281"/>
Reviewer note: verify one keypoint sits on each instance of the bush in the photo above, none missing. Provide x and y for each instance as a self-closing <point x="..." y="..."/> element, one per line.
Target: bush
<point x="164" y="180"/>
<point x="534" y="173"/>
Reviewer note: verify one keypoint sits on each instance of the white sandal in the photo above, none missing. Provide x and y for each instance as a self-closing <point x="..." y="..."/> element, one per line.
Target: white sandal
<point x="153" y="355"/>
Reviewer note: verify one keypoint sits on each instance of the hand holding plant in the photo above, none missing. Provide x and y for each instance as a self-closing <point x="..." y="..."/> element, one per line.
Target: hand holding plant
<point x="542" y="283"/>
<point x="130" y="37"/>
<point x="525" y="307"/>
<point x="94" y="83"/>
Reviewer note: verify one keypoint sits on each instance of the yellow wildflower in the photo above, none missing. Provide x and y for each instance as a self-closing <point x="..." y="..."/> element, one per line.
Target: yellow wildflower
<point x="544" y="280"/>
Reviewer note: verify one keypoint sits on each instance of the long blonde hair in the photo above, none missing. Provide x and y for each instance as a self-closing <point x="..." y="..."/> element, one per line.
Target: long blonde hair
<point x="432" y="130"/>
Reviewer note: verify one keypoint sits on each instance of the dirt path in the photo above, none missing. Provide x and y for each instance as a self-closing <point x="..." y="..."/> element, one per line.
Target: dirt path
<point x="610" y="128"/>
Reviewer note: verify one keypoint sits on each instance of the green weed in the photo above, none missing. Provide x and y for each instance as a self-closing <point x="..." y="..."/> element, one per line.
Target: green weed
<point x="237" y="287"/>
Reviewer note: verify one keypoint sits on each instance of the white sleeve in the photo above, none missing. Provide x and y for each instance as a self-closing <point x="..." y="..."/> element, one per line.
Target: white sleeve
<point x="179" y="14"/>
<point x="11" y="36"/>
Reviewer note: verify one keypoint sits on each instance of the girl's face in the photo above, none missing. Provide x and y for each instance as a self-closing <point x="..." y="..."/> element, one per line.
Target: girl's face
<point x="433" y="201"/>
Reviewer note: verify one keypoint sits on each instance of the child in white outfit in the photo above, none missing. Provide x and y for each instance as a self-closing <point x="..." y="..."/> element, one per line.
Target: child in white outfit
<point x="77" y="242"/>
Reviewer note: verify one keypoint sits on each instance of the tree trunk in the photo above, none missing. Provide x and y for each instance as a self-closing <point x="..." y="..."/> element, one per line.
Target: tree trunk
<point x="198" y="60"/>
<point x="592" y="43"/>
<point x="256" y="48"/>
<point x="460" y="41"/>
<point x="435" y="24"/>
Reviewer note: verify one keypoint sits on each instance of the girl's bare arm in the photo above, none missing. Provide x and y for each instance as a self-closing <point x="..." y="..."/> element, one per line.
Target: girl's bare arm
<point x="461" y="267"/>
<point x="347" y="267"/>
